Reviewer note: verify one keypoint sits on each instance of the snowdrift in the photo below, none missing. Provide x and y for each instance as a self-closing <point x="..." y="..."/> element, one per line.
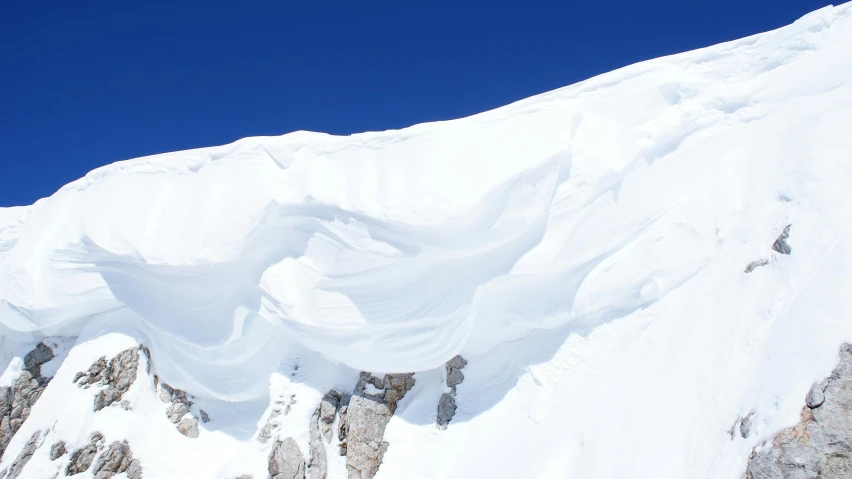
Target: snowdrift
<point x="584" y="249"/>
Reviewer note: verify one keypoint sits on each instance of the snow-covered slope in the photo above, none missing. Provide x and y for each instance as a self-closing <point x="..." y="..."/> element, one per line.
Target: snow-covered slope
<point x="584" y="250"/>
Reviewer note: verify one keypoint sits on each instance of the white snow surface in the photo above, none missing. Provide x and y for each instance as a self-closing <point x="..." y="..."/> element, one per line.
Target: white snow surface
<point x="583" y="249"/>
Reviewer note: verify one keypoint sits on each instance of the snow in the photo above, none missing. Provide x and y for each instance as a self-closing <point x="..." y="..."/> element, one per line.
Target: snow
<point x="583" y="249"/>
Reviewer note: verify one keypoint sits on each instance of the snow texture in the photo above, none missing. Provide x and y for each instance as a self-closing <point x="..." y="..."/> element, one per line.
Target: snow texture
<point x="584" y="250"/>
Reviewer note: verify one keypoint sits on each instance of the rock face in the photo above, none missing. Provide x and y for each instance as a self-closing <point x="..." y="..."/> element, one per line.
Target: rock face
<point x="117" y="375"/>
<point x="17" y="401"/>
<point x="25" y="455"/>
<point x="320" y="430"/>
<point x="82" y="458"/>
<point x="780" y="245"/>
<point x="116" y="459"/>
<point x="365" y="419"/>
<point x="447" y="403"/>
<point x="286" y="460"/>
<point x="820" y="446"/>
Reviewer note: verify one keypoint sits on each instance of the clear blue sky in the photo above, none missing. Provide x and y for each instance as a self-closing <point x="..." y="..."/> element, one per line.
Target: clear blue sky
<point x="86" y="83"/>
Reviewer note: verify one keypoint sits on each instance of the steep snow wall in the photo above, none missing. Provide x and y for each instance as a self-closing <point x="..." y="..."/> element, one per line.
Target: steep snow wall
<point x="642" y="193"/>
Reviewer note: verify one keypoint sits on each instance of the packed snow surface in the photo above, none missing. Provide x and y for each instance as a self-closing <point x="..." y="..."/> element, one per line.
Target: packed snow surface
<point x="584" y="249"/>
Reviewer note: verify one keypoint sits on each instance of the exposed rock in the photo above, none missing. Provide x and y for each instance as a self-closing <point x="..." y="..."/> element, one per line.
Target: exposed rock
<point x="820" y="445"/>
<point x="320" y="428"/>
<point x="35" y="358"/>
<point x="94" y="375"/>
<point x="176" y="411"/>
<point x="17" y="401"/>
<point x="454" y="374"/>
<point x="82" y="458"/>
<point x="756" y="264"/>
<point x="780" y="245"/>
<point x="266" y="431"/>
<point x="189" y="427"/>
<point x="134" y="470"/>
<point x="341" y="426"/>
<point x="179" y="405"/>
<point x="117" y="459"/>
<point x="57" y="450"/>
<point x="367" y="416"/>
<point x="204" y="417"/>
<point x="118" y="377"/>
<point x="26" y="454"/>
<point x="816" y="396"/>
<point x="447" y="403"/>
<point x="745" y="424"/>
<point x="286" y="460"/>
<point x="446" y="410"/>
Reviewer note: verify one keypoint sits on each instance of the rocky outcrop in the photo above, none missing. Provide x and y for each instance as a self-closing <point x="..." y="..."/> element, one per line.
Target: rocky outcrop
<point x="780" y="245"/>
<point x="57" y="450"/>
<point x="17" y="401"/>
<point x="117" y="376"/>
<point x="447" y="403"/>
<point x="365" y="419"/>
<point x="179" y="405"/>
<point x="25" y="455"/>
<point x="286" y="460"/>
<point x="117" y="459"/>
<point x="820" y="445"/>
<point x="82" y="458"/>
<point x="320" y="430"/>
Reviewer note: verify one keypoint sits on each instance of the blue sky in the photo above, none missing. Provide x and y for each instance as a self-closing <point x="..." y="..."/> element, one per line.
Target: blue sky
<point x="88" y="83"/>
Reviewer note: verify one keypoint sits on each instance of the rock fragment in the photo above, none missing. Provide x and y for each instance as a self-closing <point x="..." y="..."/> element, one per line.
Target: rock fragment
<point x="756" y="264"/>
<point x="780" y="245"/>
<point x="57" y="450"/>
<point x="188" y="427"/>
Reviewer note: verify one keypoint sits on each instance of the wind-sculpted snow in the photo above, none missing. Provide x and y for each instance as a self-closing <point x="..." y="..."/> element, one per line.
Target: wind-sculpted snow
<point x="395" y="251"/>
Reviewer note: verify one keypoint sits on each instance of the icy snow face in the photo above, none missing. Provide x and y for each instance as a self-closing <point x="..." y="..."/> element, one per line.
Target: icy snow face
<point x="394" y="251"/>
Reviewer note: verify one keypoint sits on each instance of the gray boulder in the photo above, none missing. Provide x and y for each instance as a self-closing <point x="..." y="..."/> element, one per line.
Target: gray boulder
<point x="286" y="460"/>
<point x="57" y="450"/>
<point x="780" y="245"/>
<point x="35" y="358"/>
<point x="188" y="427"/>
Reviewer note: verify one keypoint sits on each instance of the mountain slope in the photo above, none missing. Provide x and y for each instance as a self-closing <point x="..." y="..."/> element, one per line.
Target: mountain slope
<point x="584" y="251"/>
